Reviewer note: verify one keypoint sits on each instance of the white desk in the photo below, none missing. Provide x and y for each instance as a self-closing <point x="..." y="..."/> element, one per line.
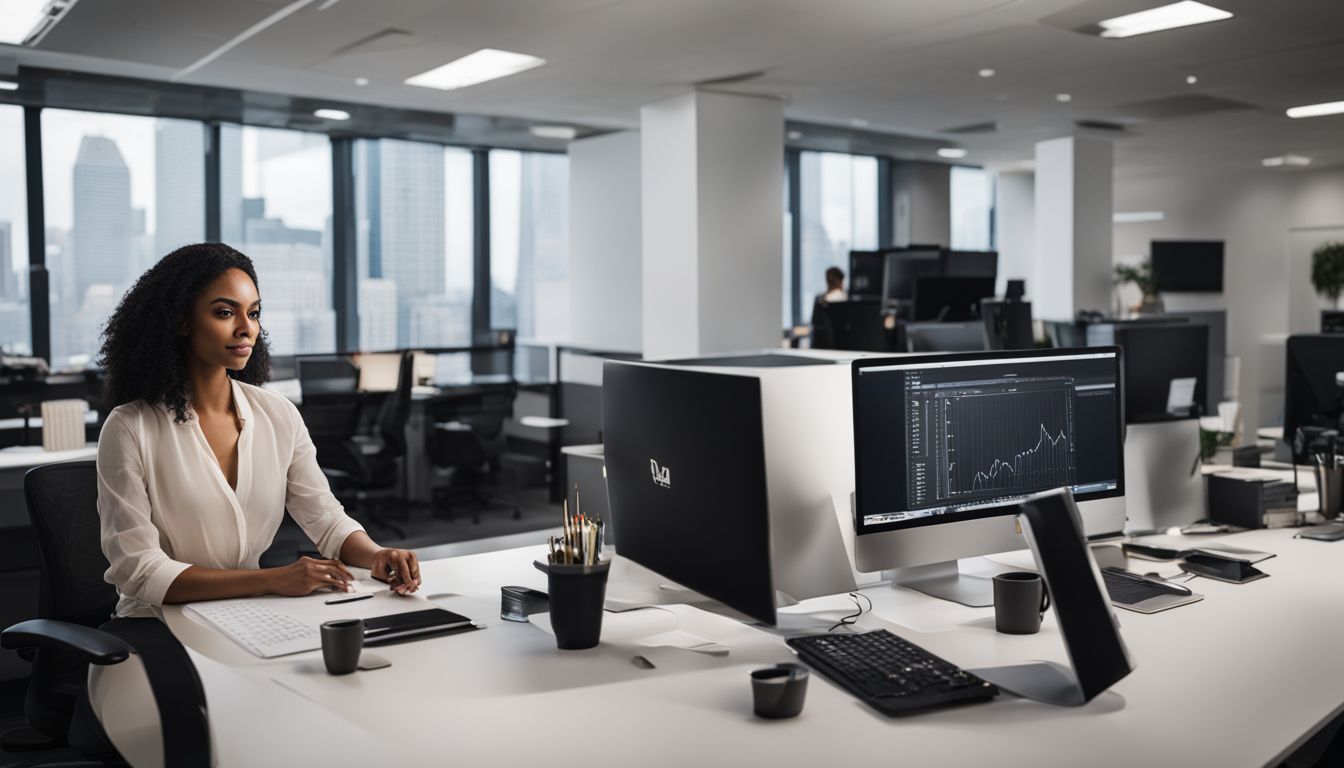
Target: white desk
<point x="1240" y="678"/>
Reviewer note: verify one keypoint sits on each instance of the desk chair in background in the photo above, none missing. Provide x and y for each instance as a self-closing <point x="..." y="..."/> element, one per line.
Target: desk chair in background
<point x="468" y="437"/>
<point x="73" y="630"/>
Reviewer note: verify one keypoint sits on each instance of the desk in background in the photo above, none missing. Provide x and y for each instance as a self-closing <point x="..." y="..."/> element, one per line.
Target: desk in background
<point x="1241" y="678"/>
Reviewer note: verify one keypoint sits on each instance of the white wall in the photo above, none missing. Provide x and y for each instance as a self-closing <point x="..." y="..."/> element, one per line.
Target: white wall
<point x="604" y="247"/>
<point x="1073" y="227"/>
<point x="1015" y="228"/>
<point x="921" y="202"/>
<point x="669" y="233"/>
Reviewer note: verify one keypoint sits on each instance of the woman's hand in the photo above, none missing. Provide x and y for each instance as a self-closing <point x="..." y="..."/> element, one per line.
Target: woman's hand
<point x="398" y="567"/>
<point x="306" y="575"/>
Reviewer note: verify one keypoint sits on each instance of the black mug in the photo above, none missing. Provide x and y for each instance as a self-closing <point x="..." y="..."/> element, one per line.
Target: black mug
<point x="778" y="692"/>
<point x="577" y="593"/>
<point x="1020" y="601"/>
<point x="342" y="641"/>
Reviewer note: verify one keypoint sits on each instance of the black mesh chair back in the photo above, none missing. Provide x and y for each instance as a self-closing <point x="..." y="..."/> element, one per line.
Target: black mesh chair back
<point x="396" y="409"/>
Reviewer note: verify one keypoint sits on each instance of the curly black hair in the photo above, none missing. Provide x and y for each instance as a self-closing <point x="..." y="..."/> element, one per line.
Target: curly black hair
<point x="144" y="356"/>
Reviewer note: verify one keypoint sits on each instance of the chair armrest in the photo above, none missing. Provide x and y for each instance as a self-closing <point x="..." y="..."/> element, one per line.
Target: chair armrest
<point x="92" y="645"/>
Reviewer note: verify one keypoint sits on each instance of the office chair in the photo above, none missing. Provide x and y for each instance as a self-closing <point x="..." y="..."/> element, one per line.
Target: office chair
<point x="359" y="467"/>
<point x="468" y="437"/>
<point x="72" y="630"/>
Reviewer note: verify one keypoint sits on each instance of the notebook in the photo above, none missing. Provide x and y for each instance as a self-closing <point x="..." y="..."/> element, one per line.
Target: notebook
<point x="381" y="630"/>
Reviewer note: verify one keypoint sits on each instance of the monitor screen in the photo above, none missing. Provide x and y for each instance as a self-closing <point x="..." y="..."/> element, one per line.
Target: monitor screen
<point x="900" y="270"/>
<point x="865" y="274"/>
<point x="1311" y="396"/>
<point x="971" y="264"/>
<point x="1158" y="358"/>
<point x="957" y="437"/>
<point x="1188" y="266"/>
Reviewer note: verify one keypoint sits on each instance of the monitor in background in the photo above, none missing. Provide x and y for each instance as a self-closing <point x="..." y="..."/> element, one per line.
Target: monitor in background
<point x="950" y="299"/>
<point x="1188" y="266"/>
<point x="945" y="445"/>
<point x="725" y="480"/>
<point x="1332" y="321"/>
<point x="1313" y="388"/>
<point x="855" y="325"/>
<point x="326" y="375"/>
<point x="971" y="264"/>
<point x="1159" y="357"/>
<point x="378" y="371"/>
<point x="1216" y="321"/>
<point x="946" y="337"/>
<point x="1016" y="290"/>
<point x="1008" y="324"/>
<point x="865" y="274"/>
<point x="901" y="268"/>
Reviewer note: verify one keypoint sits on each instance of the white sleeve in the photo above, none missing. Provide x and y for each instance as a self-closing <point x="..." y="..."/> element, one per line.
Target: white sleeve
<point x="138" y="566"/>
<point x="309" y="499"/>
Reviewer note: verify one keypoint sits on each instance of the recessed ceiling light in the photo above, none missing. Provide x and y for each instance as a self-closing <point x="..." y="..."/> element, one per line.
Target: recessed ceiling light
<point x="361" y="81"/>
<point x="6" y="85"/>
<point x="1063" y="97"/>
<point x="331" y="114"/>
<point x="987" y="72"/>
<point x="562" y="132"/>
<point x="1183" y="14"/>
<point x="474" y="68"/>
<point x="952" y="153"/>
<point x="27" y="21"/>
<point x="1316" y="110"/>
<point x="1191" y="79"/>
<point x="1134" y="217"/>
<point x="794" y="135"/>
<point x="859" y="122"/>
<point x="1288" y="160"/>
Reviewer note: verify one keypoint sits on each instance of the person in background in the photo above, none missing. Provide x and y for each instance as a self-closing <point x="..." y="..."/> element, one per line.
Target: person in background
<point x="835" y="285"/>
<point x="823" y="335"/>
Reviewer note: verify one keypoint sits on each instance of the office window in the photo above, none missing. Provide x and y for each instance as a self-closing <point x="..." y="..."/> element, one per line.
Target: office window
<point x="15" y="335"/>
<point x="786" y="305"/>
<point x="120" y="192"/>
<point x="971" y="204"/>
<point x="413" y="213"/>
<point x="529" y="243"/>
<point x="275" y="206"/>
<point x="839" y="214"/>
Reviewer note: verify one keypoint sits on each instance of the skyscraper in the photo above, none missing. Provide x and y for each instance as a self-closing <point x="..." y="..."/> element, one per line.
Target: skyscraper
<point x="179" y="189"/>
<point x="101" y="236"/>
<point x="407" y="238"/>
<point x="9" y="282"/>
<point x="231" y="185"/>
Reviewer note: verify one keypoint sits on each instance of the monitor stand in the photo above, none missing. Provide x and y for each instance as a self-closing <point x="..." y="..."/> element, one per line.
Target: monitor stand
<point x="946" y="581"/>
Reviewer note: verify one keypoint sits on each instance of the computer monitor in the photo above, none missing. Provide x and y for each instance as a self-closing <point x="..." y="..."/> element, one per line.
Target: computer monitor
<point x="1216" y="321"/>
<point x="1332" y="321"/>
<point x="1160" y="358"/>
<point x="944" y="445"/>
<point x="865" y="274"/>
<point x="726" y="480"/>
<point x="1187" y="266"/>
<point x="855" y="325"/>
<point x="901" y="268"/>
<point x="1313" y="387"/>
<point x="950" y="299"/>
<point x="378" y="371"/>
<point x="1008" y="324"/>
<point x="971" y="264"/>
<point x="946" y="337"/>
<point x="326" y="375"/>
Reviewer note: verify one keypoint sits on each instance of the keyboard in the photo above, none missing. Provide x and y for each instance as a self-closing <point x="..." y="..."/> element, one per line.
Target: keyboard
<point x="260" y="629"/>
<point x="1132" y="591"/>
<point x="892" y="675"/>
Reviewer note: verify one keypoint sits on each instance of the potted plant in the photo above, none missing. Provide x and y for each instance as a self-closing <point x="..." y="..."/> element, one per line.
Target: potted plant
<point x="1327" y="271"/>
<point x="1141" y="275"/>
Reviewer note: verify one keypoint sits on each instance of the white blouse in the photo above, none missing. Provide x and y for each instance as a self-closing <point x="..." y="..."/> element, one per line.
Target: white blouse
<point x="165" y="504"/>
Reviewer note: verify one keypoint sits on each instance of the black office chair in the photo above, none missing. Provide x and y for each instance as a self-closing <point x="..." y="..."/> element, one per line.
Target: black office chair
<point x="468" y="436"/>
<point x="73" y="630"/>
<point x="358" y="468"/>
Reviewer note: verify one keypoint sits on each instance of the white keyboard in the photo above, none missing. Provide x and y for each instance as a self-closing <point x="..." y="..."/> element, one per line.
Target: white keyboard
<point x="259" y="628"/>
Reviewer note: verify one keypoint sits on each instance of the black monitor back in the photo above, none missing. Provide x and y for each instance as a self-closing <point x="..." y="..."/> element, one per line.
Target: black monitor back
<point x="1332" y="321"/>
<point x="865" y="274"/>
<point x="950" y="299"/>
<point x="971" y="264"/>
<point x="1310" y="395"/>
<point x="685" y="459"/>
<point x="327" y="375"/>
<point x="856" y="325"/>
<point x="1155" y="354"/>
<point x="900" y="270"/>
<point x="1187" y="266"/>
<point x="1008" y="324"/>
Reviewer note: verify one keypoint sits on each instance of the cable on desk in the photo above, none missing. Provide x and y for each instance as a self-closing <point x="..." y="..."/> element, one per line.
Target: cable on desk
<point x="859" y="610"/>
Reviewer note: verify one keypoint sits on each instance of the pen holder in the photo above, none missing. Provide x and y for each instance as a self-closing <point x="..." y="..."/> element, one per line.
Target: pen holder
<point x="577" y="593"/>
<point x="1330" y="488"/>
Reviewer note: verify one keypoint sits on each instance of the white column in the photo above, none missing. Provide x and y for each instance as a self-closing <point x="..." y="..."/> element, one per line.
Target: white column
<point x="921" y="202"/>
<point x="712" y="176"/>
<point x="1015" y="228"/>
<point x="1073" y="227"/>
<point x="604" y="242"/>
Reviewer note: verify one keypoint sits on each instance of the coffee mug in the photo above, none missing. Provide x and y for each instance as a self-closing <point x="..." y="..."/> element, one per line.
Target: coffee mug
<point x="778" y="692"/>
<point x="1020" y="601"/>
<point x="342" y="641"/>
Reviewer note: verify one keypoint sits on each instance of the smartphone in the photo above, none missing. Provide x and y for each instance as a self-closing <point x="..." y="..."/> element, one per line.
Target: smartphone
<point x="349" y="598"/>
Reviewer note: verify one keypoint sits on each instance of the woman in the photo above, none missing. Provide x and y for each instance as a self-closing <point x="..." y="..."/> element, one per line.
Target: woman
<point x="197" y="463"/>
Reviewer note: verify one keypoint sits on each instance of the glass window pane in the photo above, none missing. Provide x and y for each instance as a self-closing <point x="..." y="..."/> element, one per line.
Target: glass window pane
<point x="413" y="208"/>
<point x="529" y="243"/>
<point x="15" y="337"/>
<point x="972" y="199"/>
<point x="839" y="214"/>
<point x="787" y="282"/>
<point x="120" y="193"/>
<point x="275" y="206"/>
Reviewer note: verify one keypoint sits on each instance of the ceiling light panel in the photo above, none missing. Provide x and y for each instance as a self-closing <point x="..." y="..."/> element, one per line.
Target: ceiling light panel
<point x="952" y="153"/>
<point x="472" y="69"/>
<point x="1317" y="110"/>
<point x="1183" y="14"/>
<point x="18" y="18"/>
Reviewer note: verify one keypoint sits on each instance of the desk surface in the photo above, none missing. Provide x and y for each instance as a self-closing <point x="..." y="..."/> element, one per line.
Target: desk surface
<point x="1240" y="678"/>
<point x="26" y="457"/>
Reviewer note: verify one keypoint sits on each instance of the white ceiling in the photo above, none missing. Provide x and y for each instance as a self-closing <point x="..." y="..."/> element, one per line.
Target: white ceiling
<point x="898" y="66"/>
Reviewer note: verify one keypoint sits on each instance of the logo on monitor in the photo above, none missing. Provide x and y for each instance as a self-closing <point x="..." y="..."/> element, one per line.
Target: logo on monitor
<point x="661" y="475"/>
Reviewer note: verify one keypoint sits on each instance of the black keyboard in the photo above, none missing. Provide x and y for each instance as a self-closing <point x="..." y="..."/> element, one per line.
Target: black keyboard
<point x="889" y="674"/>
<point x="1129" y="588"/>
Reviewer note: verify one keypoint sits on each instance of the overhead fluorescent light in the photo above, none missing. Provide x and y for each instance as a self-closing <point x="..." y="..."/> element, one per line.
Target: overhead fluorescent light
<point x="987" y="72"/>
<point x="1183" y="14"/>
<point x="23" y="17"/>
<point x="951" y="153"/>
<point x="485" y="64"/>
<point x="561" y="132"/>
<point x="1063" y="97"/>
<point x="331" y="114"/>
<point x="7" y="85"/>
<point x="1288" y="160"/>
<point x="1316" y="110"/>
<point x="1134" y="217"/>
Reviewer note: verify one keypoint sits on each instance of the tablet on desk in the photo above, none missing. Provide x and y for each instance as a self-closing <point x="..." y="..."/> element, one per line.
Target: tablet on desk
<point x="382" y="630"/>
